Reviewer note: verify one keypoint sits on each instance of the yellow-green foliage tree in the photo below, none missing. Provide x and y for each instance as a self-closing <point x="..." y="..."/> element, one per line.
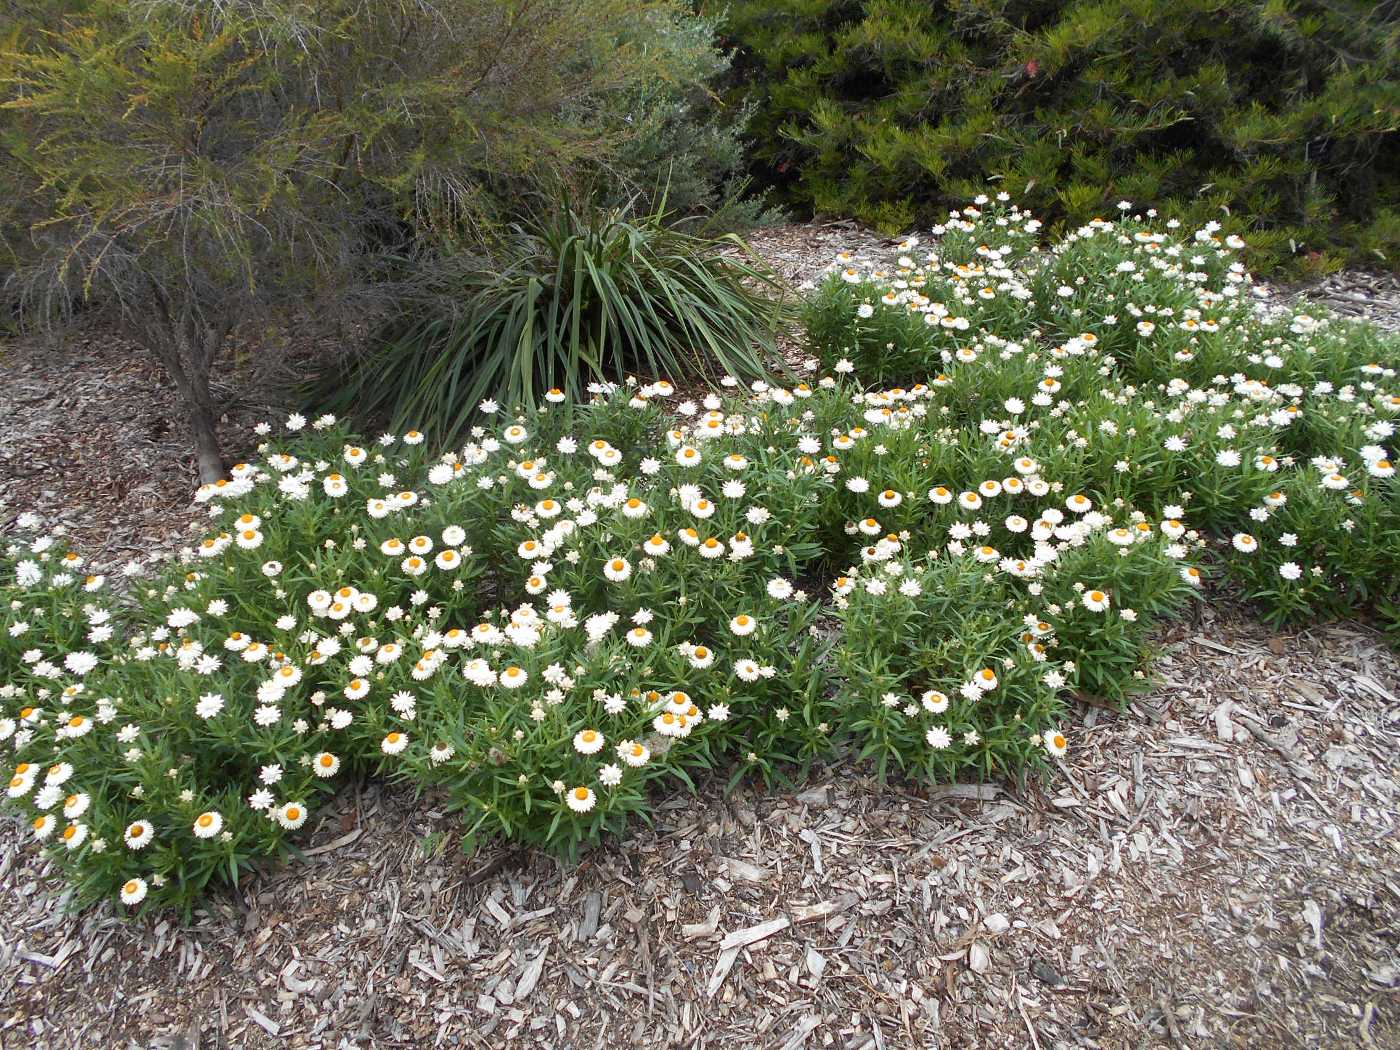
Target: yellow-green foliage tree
<point x="194" y="167"/>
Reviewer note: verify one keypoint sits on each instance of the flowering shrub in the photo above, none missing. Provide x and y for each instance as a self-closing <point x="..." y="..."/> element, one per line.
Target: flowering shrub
<point x="591" y="598"/>
<point x="1135" y="357"/>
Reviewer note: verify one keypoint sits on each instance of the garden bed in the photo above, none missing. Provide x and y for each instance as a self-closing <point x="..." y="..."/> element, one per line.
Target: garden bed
<point x="1141" y="831"/>
<point x="1227" y="852"/>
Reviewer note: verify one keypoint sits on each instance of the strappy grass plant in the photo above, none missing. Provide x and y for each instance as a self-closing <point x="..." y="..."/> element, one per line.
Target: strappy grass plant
<point x="585" y="294"/>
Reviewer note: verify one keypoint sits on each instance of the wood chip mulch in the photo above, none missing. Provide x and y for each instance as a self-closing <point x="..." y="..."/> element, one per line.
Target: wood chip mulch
<point x="1215" y="867"/>
<point x="1355" y="294"/>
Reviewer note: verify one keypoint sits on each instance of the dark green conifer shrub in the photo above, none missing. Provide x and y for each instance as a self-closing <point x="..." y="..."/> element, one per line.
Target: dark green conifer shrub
<point x="1276" y="117"/>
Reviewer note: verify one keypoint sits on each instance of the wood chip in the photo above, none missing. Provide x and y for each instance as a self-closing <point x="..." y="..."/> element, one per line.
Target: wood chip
<point x="530" y="976"/>
<point x="979" y="959"/>
<point x="810" y="837"/>
<point x="754" y="934"/>
<point x="980" y="792"/>
<point x="334" y="844"/>
<point x="264" y="1022"/>
<point x="823" y="909"/>
<point x="694" y="931"/>
<point x="723" y="965"/>
<point x="742" y="869"/>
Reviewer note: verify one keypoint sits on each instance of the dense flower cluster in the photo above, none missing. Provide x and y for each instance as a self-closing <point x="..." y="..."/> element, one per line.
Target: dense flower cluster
<point x="587" y="598"/>
<point x="1144" y="360"/>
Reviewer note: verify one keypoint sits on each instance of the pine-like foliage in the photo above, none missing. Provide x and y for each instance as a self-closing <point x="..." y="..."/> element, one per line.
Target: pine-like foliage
<point x="1278" y="117"/>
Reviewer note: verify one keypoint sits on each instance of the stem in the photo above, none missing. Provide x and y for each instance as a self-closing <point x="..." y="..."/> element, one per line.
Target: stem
<point x="208" y="455"/>
<point x="186" y="350"/>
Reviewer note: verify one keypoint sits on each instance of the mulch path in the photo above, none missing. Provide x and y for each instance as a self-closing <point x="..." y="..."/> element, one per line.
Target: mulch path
<point x="1215" y="866"/>
<point x="1355" y="294"/>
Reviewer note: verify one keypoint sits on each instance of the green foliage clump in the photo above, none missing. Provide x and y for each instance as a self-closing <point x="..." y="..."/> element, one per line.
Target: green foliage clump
<point x="581" y="294"/>
<point x="1276" y="117"/>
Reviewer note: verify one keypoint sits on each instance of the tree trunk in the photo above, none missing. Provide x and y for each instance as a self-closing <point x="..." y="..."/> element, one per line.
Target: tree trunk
<point x="186" y="356"/>
<point x="206" y="444"/>
<point x="203" y="415"/>
<point x="193" y="385"/>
